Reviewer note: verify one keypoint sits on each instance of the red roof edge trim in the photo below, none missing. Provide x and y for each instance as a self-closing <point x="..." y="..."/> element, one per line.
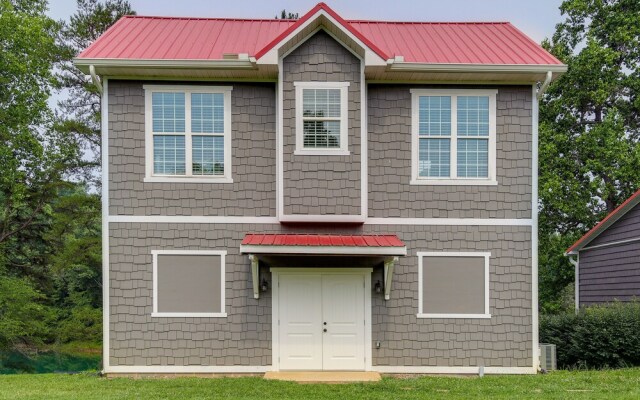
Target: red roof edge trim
<point x="278" y="239"/>
<point x="600" y="226"/>
<point x="334" y="15"/>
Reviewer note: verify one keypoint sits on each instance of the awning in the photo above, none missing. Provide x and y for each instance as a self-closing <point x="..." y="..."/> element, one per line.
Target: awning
<point x="309" y="244"/>
<point x="388" y="246"/>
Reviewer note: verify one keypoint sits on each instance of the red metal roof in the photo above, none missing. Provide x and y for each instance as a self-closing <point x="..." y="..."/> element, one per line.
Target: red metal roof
<point x="258" y="239"/>
<point x="169" y="38"/>
<point x="606" y="222"/>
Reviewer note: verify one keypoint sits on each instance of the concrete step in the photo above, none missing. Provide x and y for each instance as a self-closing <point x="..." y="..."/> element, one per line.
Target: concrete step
<point x="323" y="376"/>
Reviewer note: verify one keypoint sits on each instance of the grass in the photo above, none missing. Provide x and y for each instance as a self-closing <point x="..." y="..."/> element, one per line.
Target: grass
<point x="611" y="384"/>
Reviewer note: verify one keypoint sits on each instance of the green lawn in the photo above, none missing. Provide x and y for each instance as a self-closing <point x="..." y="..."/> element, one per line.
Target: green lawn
<point x="615" y="384"/>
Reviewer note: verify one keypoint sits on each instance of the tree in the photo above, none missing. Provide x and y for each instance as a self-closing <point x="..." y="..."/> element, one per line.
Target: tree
<point x="589" y="129"/>
<point x="80" y="111"/>
<point x="33" y="160"/>
<point x="287" y="15"/>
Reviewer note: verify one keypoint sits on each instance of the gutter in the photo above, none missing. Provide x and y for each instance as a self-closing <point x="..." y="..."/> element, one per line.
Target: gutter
<point x="240" y="62"/>
<point x="398" y="64"/>
<point x="545" y="85"/>
<point x="576" y="294"/>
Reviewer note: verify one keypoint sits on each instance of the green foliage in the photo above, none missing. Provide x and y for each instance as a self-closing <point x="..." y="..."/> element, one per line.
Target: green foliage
<point x="605" y="336"/>
<point x="589" y="130"/>
<point x="23" y="319"/>
<point x="287" y="15"/>
<point x="79" y="117"/>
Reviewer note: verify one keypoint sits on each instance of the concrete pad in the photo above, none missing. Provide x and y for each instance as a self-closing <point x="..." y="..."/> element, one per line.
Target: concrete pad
<point x="323" y="376"/>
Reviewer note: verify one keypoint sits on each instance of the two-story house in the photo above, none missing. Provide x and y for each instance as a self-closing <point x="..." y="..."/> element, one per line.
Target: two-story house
<point x="319" y="194"/>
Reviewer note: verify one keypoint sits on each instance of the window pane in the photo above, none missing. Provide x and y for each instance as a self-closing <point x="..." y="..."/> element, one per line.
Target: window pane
<point x="321" y="134"/>
<point x="168" y="155"/>
<point x="207" y="112"/>
<point x="321" y="103"/>
<point x="434" y="158"/>
<point x="208" y="155"/>
<point x="168" y="112"/>
<point x="473" y="158"/>
<point x="434" y="116"/>
<point x="473" y="115"/>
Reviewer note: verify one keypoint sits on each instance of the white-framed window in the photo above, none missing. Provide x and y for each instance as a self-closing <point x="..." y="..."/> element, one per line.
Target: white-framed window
<point x="188" y="133"/>
<point x="188" y="283"/>
<point x="322" y="118"/>
<point x="453" y="137"/>
<point x="453" y="285"/>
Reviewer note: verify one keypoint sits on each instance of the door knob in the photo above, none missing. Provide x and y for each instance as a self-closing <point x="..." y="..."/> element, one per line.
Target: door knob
<point x="324" y="330"/>
<point x="324" y="323"/>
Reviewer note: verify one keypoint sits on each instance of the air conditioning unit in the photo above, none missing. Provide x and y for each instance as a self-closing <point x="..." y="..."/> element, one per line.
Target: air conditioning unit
<point x="548" y="356"/>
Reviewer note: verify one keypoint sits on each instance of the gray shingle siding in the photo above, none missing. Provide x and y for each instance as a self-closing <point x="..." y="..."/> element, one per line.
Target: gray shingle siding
<point x="253" y="155"/>
<point x="321" y="184"/>
<point x="612" y="272"/>
<point x="389" y="138"/>
<point x="244" y="336"/>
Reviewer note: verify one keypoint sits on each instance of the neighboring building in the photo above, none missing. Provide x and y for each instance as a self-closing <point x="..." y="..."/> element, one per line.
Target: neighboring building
<point x="607" y="258"/>
<point x="319" y="194"/>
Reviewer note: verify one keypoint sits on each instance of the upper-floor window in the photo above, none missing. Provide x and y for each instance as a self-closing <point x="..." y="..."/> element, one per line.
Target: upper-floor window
<point x="322" y="118"/>
<point x="188" y="133"/>
<point x="453" y="137"/>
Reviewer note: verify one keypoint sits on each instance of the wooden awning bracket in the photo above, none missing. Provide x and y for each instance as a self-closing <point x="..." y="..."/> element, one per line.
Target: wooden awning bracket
<point x="388" y="276"/>
<point x="255" y="275"/>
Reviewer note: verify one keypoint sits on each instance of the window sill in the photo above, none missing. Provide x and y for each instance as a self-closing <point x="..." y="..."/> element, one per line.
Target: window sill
<point x="454" y="182"/>
<point x="186" y="179"/>
<point x="306" y="152"/>
<point x="188" y="315"/>
<point x="454" y="316"/>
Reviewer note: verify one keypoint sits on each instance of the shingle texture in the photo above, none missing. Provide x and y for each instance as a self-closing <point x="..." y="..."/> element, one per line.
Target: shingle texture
<point x="321" y="184"/>
<point x="252" y="192"/>
<point x="244" y="337"/>
<point x="389" y="138"/>
<point x="612" y="272"/>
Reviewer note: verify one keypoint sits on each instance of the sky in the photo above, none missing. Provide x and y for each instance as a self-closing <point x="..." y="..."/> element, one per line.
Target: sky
<point x="535" y="18"/>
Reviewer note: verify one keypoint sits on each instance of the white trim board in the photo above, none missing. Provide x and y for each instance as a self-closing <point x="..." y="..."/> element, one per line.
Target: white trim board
<point x="392" y="369"/>
<point x="196" y="219"/>
<point x="157" y="314"/>
<point x="534" y="228"/>
<point x="105" y="222"/>
<point x="326" y="250"/>
<point x="487" y="280"/>
<point x="187" y="369"/>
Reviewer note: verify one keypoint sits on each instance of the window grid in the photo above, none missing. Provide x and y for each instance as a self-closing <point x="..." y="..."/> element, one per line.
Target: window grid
<point x="453" y="135"/>
<point x="321" y="117"/>
<point x="190" y="111"/>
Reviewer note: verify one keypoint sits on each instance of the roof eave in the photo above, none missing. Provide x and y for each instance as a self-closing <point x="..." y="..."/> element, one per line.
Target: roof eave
<point x="556" y="69"/>
<point x="83" y="64"/>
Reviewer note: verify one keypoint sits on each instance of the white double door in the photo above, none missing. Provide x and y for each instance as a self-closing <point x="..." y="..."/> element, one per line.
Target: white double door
<point x="321" y="322"/>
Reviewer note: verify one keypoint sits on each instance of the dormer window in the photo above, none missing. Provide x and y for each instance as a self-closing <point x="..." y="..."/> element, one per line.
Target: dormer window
<point x="322" y="118"/>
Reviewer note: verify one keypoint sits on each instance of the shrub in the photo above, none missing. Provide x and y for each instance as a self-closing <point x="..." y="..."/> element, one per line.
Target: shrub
<point x="601" y="336"/>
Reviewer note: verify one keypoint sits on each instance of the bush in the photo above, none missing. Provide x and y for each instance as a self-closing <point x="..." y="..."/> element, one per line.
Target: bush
<point x="602" y="336"/>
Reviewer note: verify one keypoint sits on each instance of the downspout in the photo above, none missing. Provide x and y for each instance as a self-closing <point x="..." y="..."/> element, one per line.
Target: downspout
<point x="576" y="266"/>
<point x="95" y="78"/>
<point x="545" y="85"/>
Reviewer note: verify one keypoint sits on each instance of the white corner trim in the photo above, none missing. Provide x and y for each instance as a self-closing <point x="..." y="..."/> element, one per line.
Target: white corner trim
<point x="338" y="250"/>
<point x="187" y="369"/>
<point x="280" y="142"/>
<point x="534" y="227"/>
<point x="191" y="219"/>
<point x="105" y="222"/>
<point x="487" y="279"/>
<point x="453" y="137"/>
<point x="221" y="253"/>
<point x="185" y="179"/>
<point x="189" y="177"/>
<point x="343" y="119"/>
<point x="452" y="370"/>
<point x="323" y="218"/>
<point x="364" y="143"/>
<point x="453" y="182"/>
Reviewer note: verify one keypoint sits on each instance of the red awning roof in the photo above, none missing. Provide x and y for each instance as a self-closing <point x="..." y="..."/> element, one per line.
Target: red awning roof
<point x="605" y="223"/>
<point x="323" y="244"/>
<point x="174" y="38"/>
